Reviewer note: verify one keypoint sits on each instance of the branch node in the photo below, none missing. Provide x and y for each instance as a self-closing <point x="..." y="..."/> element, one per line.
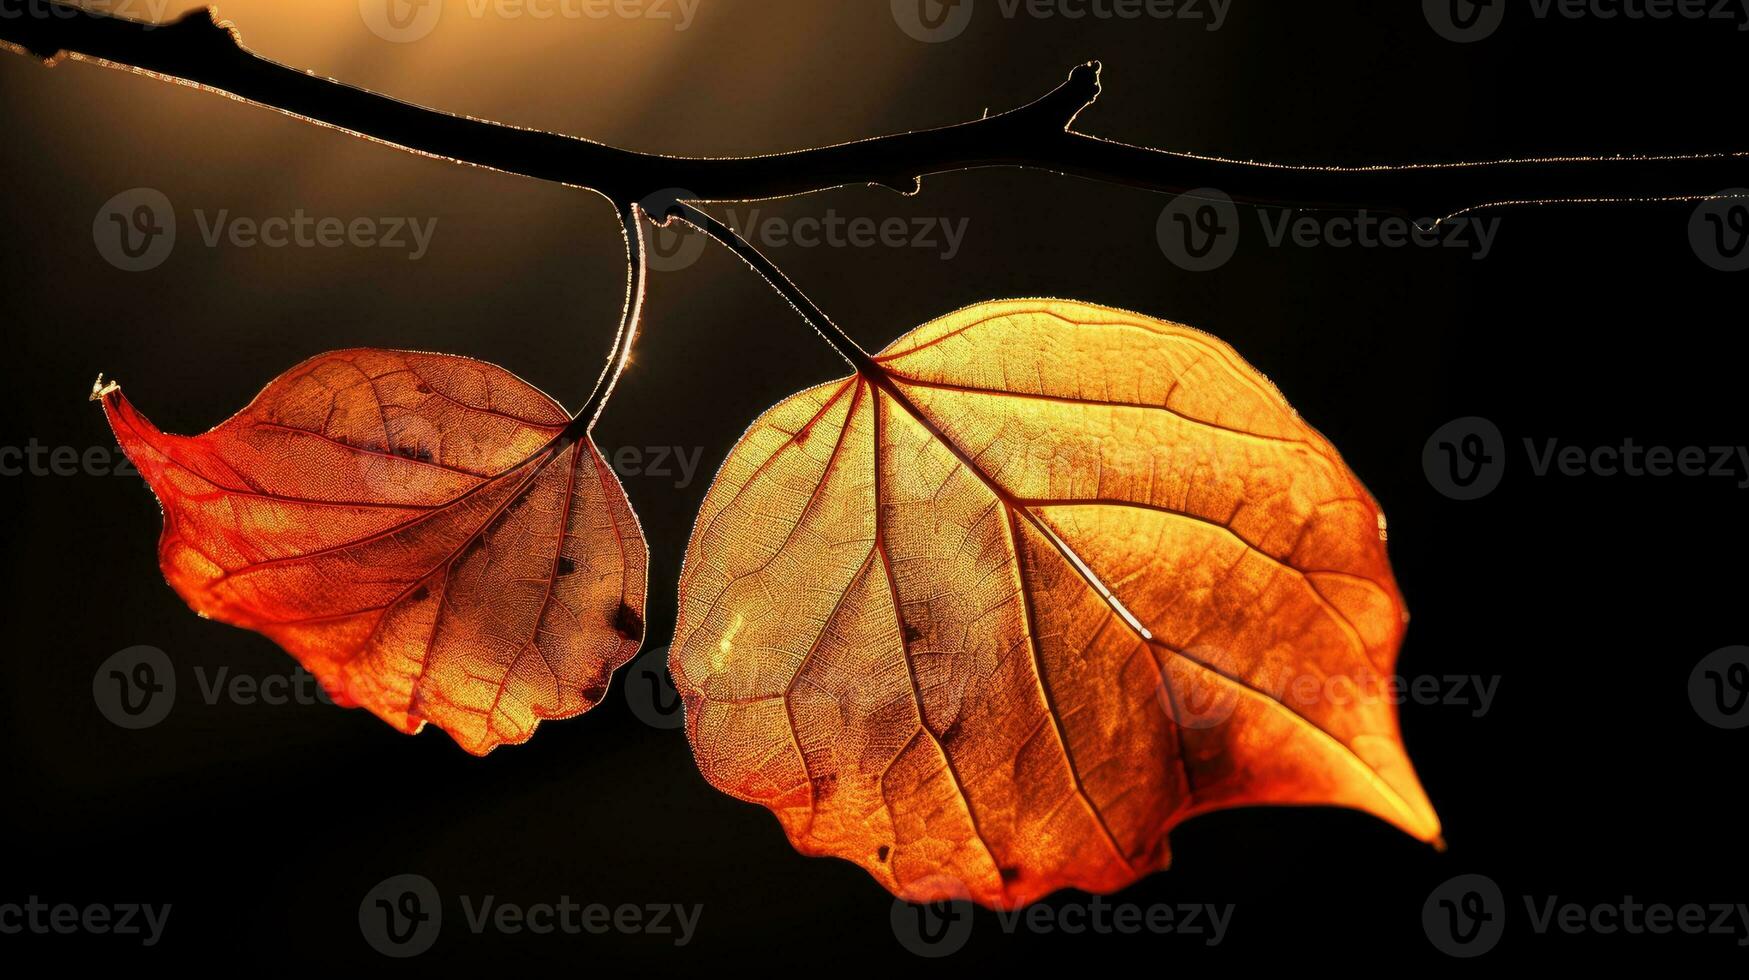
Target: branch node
<point x="1081" y="90"/>
<point x="1056" y="110"/>
<point x="663" y="206"/>
<point x="204" y="23"/>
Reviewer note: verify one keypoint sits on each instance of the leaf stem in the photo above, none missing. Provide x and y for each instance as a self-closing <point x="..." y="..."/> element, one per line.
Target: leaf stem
<point x="833" y="334"/>
<point x="620" y="354"/>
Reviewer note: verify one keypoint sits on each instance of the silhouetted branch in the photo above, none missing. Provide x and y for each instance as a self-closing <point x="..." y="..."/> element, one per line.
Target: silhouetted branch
<point x="202" y="51"/>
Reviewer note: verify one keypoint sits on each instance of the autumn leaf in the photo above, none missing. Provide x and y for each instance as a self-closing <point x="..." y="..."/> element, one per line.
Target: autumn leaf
<point x="993" y="617"/>
<point x="414" y="530"/>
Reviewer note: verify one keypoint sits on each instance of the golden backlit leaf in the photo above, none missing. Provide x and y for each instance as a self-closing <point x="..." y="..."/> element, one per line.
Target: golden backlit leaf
<point x="993" y="619"/>
<point x="412" y="528"/>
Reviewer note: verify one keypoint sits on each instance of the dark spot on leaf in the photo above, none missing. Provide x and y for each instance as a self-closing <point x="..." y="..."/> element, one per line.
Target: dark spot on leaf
<point x="628" y="623"/>
<point x="594" y="694"/>
<point x="912" y="634"/>
<point x="566" y="565"/>
<point x="883" y="853"/>
<point x="1010" y="874"/>
<point x="824" y="786"/>
<point x="420" y="593"/>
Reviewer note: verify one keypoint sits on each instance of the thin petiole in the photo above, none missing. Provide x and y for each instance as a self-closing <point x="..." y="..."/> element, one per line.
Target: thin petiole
<point x="834" y="335"/>
<point x="637" y="263"/>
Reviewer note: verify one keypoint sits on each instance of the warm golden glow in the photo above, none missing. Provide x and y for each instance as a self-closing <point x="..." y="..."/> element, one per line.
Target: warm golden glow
<point x="1007" y="615"/>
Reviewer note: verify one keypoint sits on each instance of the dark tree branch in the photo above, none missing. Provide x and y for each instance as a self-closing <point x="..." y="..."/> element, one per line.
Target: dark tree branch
<point x="202" y="51"/>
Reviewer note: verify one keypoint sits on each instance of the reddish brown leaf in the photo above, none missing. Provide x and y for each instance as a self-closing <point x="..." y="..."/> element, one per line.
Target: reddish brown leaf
<point x="413" y="530"/>
<point x="995" y="617"/>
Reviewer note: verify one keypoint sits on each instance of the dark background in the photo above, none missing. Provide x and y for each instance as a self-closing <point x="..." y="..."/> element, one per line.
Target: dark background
<point x="1591" y="599"/>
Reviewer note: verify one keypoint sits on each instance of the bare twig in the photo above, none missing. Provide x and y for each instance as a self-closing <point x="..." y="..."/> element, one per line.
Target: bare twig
<point x="202" y="51"/>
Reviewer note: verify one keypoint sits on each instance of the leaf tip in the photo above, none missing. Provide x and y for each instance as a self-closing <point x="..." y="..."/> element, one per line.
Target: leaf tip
<point x="100" y="388"/>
